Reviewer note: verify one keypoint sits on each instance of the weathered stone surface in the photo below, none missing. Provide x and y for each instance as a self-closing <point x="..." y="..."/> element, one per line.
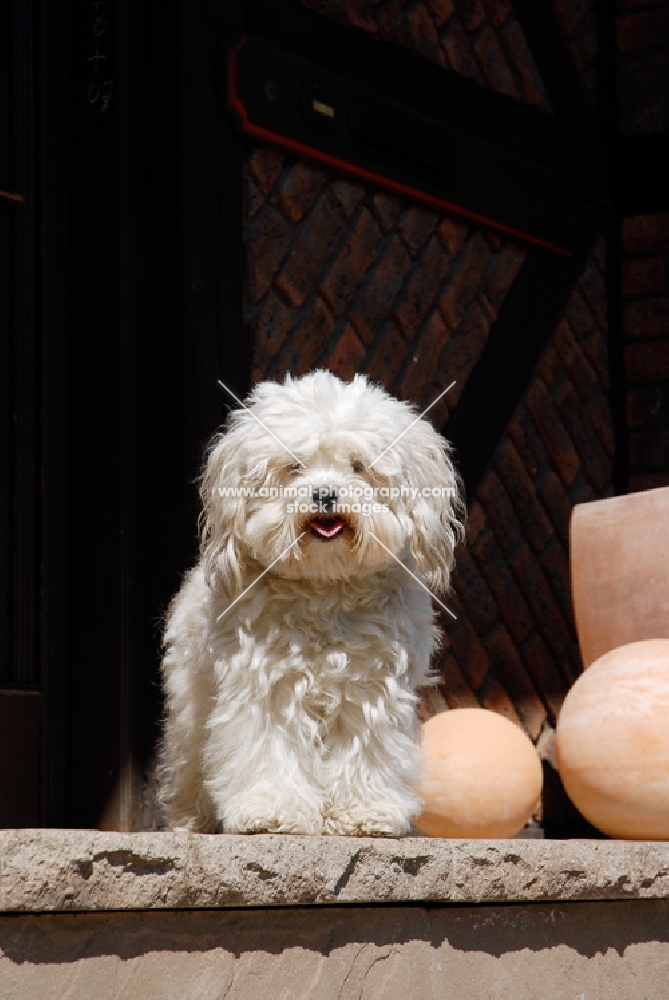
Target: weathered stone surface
<point x="537" y="951"/>
<point x="79" y="870"/>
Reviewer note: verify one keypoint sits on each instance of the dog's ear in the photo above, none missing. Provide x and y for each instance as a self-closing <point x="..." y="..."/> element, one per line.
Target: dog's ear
<point x="437" y="510"/>
<point x="223" y="514"/>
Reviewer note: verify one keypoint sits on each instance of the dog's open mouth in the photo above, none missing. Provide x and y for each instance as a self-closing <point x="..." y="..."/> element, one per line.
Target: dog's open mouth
<point x="326" y="527"/>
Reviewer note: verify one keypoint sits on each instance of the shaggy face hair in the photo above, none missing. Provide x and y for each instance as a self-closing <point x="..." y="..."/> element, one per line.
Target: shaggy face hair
<point x="294" y="647"/>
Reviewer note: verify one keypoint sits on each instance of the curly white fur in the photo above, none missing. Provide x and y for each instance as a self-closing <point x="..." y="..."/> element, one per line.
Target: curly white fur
<point x="293" y="711"/>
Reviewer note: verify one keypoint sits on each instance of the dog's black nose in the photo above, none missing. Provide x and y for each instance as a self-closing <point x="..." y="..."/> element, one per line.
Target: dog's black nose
<point x="325" y="497"/>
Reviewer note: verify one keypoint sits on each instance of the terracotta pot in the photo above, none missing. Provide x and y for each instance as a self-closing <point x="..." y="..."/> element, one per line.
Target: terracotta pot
<point x="620" y="571"/>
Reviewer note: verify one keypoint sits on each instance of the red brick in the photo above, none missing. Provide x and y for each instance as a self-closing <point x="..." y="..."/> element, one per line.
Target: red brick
<point x="599" y="254"/>
<point x="459" y="53"/>
<point x="373" y="305"/>
<point x="551" y="370"/>
<point x="332" y="8"/>
<point x="568" y="13"/>
<point x="514" y="43"/>
<point x="265" y="164"/>
<point x="596" y="350"/>
<point x="465" y="280"/>
<point x="580" y="317"/>
<point x="421" y="289"/>
<point x="523" y="432"/>
<point x="647" y="362"/>
<point x="584" y="42"/>
<point x="583" y="493"/>
<point x="300" y="189"/>
<point x="595" y="463"/>
<point x="309" y="340"/>
<point x="355" y="257"/>
<point x="646" y="233"/>
<point x="599" y="412"/>
<point x="510" y="603"/>
<point x="252" y="197"/>
<point x="571" y="664"/>
<point x="388" y="356"/>
<point x="466" y="349"/>
<point x="497" y="11"/>
<point x="440" y="10"/>
<point x="495" y="699"/>
<point x="393" y="25"/>
<point x="623" y="5"/>
<point x="454" y="687"/>
<point x="544" y="675"/>
<point x="555" y="564"/>
<point x="645" y="277"/>
<point x="471" y="13"/>
<point x="475" y="522"/>
<point x="646" y="319"/>
<point x="593" y="289"/>
<point x="424" y="35"/>
<point x="359" y="16"/>
<point x="468" y="649"/>
<point x="545" y="608"/>
<point x="507" y="667"/>
<point x="641" y="113"/>
<point x="500" y="514"/>
<point x="649" y="30"/>
<point x="557" y="504"/>
<point x="431" y="702"/>
<point x="493" y="63"/>
<point x="299" y="275"/>
<point x="473" y="593"/>
<point x="535" y="525"/>
<point x="346" y="196"/>
<point x="558" y="443"/>
<point x="270" y="329"/>
<point x="348" y="355"/>
<point x="386" y="209"/>
<point x="439" y="414"/>
<point x="415" y="227"/>
<point x="647" y="407"/>
<point x="581" y="372"/>
<point x="452" y="235"/>
<point x="649" y="451"/>
<point x="267" y="240"/>
<point x="425" y="358"/>
<point x="643" y="74"/>
<point x="500" y="276"/>
<point x="649" y="481"/>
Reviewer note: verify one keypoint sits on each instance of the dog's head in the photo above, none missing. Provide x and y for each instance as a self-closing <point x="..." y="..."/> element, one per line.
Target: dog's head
<point x="325" y="479"/>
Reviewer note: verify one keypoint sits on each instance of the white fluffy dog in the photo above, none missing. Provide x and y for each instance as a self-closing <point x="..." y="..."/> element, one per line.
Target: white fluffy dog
<point x="294" y="647"/>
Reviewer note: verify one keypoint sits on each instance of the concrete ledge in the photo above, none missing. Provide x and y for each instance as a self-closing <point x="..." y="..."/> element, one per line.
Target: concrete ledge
<point x="75" y="870"/>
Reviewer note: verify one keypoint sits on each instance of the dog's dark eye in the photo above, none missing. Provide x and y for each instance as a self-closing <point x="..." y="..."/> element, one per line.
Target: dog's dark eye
<point x="357" y="465"/>
<point x="295" y="467"/>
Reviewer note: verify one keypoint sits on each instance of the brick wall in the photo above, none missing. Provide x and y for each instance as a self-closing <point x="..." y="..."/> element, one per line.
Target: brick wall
<point x="353" y="279"/>
<point x="347" y="277"/>
<point x="350" y="278"/>
<point x="645" y="290"/>
<point x="479" y="39"/>
<point x="578" y="25"/>
<point x="642" y="30"/>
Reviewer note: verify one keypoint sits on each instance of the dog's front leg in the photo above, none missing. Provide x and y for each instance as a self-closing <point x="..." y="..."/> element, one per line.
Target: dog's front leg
<point x="371" y="768"/>
<point x="259" y="773"/>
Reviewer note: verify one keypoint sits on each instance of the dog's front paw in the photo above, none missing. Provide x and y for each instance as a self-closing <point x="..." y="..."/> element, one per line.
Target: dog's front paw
<point x="260" y="812"/>
<point x="369" y="819"/>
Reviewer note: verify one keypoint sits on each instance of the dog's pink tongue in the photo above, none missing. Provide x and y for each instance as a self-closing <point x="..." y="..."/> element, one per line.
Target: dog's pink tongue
<point x="327" y="528"/>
